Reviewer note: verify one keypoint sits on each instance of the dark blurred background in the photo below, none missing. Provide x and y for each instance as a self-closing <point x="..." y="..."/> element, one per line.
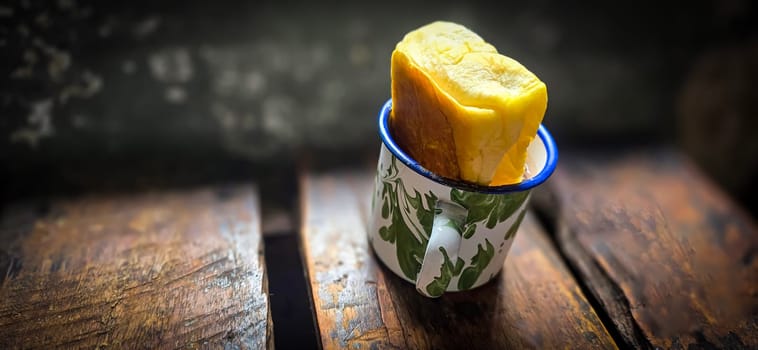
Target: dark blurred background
<point x="93" y="92"/>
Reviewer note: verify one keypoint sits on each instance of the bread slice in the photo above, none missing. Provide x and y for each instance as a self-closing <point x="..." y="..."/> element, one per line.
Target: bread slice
<point x="461" y="109"/>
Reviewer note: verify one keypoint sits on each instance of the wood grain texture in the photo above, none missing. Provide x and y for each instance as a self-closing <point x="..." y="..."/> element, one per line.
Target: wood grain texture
<point x="668" y="255"/>
<point x="359" y="303"/>
<point x="175" y="269"/>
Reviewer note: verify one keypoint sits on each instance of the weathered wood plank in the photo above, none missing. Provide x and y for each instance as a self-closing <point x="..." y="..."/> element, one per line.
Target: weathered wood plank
<point x="670" y="257"/>
<point x="150" y="270"/>
<point x="359" y="303"/>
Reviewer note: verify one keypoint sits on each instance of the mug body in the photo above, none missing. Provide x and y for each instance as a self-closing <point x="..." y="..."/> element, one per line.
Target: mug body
<point x="407" y="197"/>
<point x="403" y="211"/>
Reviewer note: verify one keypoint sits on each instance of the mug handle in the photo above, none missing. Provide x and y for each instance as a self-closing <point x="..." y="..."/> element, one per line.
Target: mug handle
<point x="441" y="256"/>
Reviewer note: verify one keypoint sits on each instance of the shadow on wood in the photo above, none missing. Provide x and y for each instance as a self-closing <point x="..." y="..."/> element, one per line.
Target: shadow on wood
<point x="534" y="303"/>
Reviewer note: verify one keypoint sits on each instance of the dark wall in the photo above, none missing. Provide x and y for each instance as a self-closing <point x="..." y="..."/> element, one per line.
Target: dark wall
<point x="86" y="81"/>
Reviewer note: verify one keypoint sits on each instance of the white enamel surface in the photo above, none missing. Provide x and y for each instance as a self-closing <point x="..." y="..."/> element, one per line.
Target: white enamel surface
<point x="536" y="156"/>
<point x="467" y="248"/>
<point x="442" y="236"/>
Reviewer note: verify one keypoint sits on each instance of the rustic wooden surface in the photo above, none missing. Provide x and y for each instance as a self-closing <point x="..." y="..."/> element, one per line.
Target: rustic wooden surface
<point x="359" y="303"/>
<point x="174" y="269"/>
<point x="672" y="260"/>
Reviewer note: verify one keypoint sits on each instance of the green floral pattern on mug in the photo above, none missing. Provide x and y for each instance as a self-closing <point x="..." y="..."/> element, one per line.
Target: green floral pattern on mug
<point x="397" y="205"/>
<point x="487" y="209"/>
<point x="411" y="217"/>
<point x="447" y="271"/>
<point x="514" y="228"/>
<point x="478" y="263"/>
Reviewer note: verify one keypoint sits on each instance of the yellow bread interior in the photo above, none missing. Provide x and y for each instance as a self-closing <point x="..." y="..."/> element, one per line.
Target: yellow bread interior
<point x="460" y="108"/>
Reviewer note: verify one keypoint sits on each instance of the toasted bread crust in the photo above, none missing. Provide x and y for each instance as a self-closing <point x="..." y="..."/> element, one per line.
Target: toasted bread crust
<point x="423" y="131"/>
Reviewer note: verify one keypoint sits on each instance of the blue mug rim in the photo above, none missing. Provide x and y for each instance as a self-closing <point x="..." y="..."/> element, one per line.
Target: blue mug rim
<point x="550" y="149"/>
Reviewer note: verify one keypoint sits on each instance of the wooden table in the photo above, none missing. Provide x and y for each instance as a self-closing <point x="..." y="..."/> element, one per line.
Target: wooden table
<point x="634" y="250"/>
<point x="166" y="269"/>
<point x="630" y="250"/>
